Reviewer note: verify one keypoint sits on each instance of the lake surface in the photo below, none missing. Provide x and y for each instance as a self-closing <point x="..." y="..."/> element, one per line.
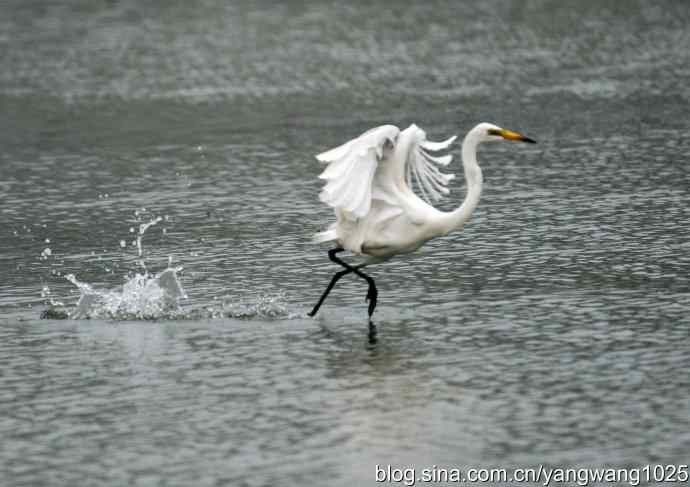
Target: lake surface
<point x="552" y="330"/>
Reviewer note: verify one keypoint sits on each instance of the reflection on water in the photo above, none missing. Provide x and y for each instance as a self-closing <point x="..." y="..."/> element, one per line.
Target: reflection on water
<point x="552" y="330"/>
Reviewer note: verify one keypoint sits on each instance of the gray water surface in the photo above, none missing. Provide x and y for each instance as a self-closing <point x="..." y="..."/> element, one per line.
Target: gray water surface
<point x="552" y="330"/>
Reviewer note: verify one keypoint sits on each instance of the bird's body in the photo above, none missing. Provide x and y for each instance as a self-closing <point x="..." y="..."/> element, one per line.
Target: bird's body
<point x="369" y="184"/>
<point x="392" y="219"/>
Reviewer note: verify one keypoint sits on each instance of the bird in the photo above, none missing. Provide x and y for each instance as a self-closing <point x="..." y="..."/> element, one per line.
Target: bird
<point x="382" y="186"/>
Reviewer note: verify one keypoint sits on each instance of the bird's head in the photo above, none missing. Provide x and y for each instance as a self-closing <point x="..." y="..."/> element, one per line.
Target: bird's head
<point x="490" y="132"/>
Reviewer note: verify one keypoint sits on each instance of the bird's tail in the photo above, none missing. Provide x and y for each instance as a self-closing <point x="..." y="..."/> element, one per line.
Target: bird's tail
<point x="325" y="236"/>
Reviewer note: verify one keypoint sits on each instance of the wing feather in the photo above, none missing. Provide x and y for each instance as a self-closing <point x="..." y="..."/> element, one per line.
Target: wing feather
<point x="335" y="154"/>
<point x="441" y="160"/>
<point x="353" y="176"/>
<point x="421" y="167"/>
<point x="351" y="168"/>
<point x="437" y="146"/>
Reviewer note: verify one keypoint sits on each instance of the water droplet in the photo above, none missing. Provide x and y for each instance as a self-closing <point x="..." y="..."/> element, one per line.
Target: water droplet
<point x="123" y="244"/>
<point x="141" y="296"/>
<point x="47" y="240"/>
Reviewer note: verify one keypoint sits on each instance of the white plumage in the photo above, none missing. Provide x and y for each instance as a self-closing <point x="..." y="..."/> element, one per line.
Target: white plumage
<point x="371" y="182"/>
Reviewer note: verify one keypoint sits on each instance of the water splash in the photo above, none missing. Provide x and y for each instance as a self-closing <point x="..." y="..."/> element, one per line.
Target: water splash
<point x="261" y="306"/>
<point x="143" y="296"/>
<point x="142" y="230"/>
<point x="47" y="295"/>
<point x="147" y="295"/>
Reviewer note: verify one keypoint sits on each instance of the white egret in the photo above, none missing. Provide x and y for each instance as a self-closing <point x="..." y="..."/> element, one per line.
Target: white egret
<point x="369" y="184"/>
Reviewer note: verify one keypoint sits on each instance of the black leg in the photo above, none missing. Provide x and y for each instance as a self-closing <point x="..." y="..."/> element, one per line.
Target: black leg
<point x="372" y="333"/>
<point x="372" y="292"/>
<point x="335" y="279"/>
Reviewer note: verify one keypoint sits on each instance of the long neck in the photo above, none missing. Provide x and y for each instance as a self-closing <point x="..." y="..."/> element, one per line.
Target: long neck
<point x="455" y="220"/>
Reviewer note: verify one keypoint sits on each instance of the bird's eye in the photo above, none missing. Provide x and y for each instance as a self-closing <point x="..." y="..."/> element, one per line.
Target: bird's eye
<point x="494" y="132"/>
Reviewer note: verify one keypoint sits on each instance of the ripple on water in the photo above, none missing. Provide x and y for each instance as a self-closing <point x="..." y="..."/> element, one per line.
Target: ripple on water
<point x="552" y="330"/>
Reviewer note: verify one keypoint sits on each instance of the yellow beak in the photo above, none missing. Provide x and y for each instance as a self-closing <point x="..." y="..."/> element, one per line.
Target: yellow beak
<point x="510" y="135"/>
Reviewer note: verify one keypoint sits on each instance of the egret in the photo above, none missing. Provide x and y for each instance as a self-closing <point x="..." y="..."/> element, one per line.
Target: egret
<point x="370" y="184"/>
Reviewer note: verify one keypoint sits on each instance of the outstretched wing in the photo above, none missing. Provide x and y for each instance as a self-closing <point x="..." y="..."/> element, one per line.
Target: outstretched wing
<point x="351" y="169"/>
<point x="421" y="167"/>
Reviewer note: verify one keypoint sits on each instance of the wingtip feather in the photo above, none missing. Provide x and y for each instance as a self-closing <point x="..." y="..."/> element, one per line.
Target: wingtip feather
<point x="437" y="146"/>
